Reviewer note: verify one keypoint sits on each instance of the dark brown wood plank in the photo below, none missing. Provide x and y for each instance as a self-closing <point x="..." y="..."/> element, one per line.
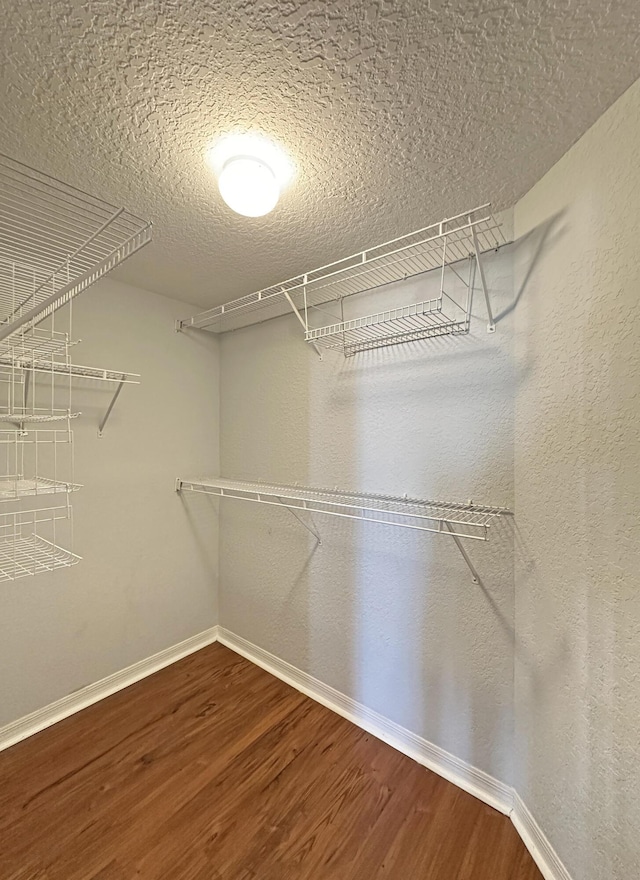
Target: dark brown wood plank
<point x="212" y="768"/>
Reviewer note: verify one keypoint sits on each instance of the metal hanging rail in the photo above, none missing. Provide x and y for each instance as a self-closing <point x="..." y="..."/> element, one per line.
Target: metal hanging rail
<point x="455" y="519"/>
<point x="440" y="246"/>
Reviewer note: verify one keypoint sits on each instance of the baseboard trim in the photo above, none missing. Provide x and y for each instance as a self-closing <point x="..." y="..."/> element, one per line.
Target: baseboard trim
<point x="93" y="693"/>
<point x="476" y="782"/>
<point x="465" y="776"/>
<point x="543" y="854"/>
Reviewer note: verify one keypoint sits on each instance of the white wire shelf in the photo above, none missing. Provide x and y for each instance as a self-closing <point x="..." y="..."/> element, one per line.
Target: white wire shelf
<point x="433" y="247"/>
<point x="461" y="520"/>
<point x="17" y="486"/>
<point x="18" y="417"/>
<point x="28" y="542"/>
<point x="76" y="371"/>
<point x="24" y="557"/>
<point x="425" y="320"/>
<point x="35" y="342"/>
<point x="55" y="241"/>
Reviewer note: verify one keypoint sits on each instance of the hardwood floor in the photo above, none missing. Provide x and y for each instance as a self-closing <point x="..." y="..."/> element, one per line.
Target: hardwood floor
<point x="214" y="770"/>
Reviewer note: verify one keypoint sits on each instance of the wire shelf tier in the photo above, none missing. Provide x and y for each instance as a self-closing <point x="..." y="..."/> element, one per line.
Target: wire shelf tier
<point x="17" y="486"/>
<point x="76" y="371"/>
<point x="18" y="417"/>
<point x="24" y="557"/>
<point x="55" y="241"/>
<point x="433" y="247"/>
<point x="34" y="343"/>
<point x="28" y="542"/>
<point x="424" y="320"/>
<point x="462" y="520"/>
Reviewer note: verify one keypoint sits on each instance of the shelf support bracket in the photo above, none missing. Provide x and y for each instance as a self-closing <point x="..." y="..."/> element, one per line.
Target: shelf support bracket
<point x="463" y="552"/>
<point x="306" y="525"/>
<point x="302" y="321"/>
<point x="491" y="326"/>
<point x="109" y="408"/>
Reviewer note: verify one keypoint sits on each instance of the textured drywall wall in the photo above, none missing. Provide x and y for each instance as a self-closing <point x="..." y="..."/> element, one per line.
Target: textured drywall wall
<point x="578" y="500"/>
<point x="396" y="112"/>
<point x="386" y="615"/>
<point x="147" y="579"/>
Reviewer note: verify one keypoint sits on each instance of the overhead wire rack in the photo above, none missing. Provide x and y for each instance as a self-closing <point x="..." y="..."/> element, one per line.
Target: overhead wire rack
<point x="441" y="246"/>
<point x="55" y="242"/>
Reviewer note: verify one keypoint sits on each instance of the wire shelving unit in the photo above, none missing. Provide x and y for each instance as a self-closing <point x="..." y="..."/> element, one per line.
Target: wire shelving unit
<point x="55" y="242"/>
<point x="454" y="519"/>
<point x="28" y="542"/>
<point x="443" y="247"/>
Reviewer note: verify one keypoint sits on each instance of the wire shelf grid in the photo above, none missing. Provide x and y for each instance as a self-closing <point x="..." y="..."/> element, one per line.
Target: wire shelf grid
<point x="425" y="320"/>
<point x="433" y="247"/>
<point x="28" y="542"/>
<point x="462" y="520"/>
<point x="55" y="241"/>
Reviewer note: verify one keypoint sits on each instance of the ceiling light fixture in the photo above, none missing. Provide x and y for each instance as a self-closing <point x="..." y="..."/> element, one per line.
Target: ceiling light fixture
<point x="248" y="186"/>
<point x="251" y="171"/>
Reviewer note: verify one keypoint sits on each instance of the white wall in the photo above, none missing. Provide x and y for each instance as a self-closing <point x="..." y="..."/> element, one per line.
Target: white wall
<point x="388" y="616"/>
<point x="578" y="499"/>
<point x="148" y="578"/>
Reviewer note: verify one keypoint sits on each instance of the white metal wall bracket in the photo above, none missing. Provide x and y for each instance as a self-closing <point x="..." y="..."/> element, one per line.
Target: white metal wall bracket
<point x="104" y="421"/>
<point x="491" y="326"/>
<point x="302" y="321"/>
<point x="465" y="556"/>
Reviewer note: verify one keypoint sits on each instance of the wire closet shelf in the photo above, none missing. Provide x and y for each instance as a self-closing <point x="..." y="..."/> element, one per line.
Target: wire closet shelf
<point x="443" y="246"/>
<point x="55" y="241"/>
<point x="462" y="520"/>
<point x="28" y="542"/>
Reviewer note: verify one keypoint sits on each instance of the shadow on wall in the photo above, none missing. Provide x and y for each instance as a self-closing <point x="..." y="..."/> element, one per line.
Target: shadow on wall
<point x="387" y="616"/>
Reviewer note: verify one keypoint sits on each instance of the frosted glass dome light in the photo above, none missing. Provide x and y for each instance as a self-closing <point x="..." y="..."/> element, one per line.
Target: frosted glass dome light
<point x="248" y="186"/>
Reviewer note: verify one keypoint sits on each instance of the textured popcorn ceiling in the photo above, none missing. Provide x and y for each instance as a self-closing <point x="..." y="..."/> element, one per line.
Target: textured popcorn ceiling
<point x="396" y="113"/>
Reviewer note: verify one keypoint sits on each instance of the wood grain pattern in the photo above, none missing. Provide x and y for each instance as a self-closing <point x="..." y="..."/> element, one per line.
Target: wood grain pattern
<point x="212" y="769"/>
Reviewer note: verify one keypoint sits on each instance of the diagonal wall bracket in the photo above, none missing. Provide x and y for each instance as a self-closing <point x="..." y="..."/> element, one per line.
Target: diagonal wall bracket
<point x="464" y="554"/>
<point x="109" y="408"/>
<point x="306" y="525"/>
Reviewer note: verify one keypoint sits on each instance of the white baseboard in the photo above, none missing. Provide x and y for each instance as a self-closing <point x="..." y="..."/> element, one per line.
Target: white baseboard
<point x="481" y="785"/>
<point x="470" y="779"/>
<point x="92" y="693"/>
<point x="543" y="854"/>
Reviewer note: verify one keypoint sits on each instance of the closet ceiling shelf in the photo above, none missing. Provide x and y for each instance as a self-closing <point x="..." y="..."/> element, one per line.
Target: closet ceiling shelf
<point x="442" y="517"/>
<point x="57" y="368"/>
<point x="55" y="242"/>
<point x="32" y="555"/>
<point x="433" y="247"/>
<point x="12" y="487"/>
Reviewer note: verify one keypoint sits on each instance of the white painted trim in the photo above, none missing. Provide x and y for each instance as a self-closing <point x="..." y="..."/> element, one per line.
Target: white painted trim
<point x="470" y="779"/>
<point x="543" y="854"/>
<point x="92" y="693"/>
<point x="478" y="783"/>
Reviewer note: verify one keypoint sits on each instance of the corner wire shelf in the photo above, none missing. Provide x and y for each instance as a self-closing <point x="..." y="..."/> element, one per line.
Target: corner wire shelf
<point x="16" y="486"/>
<point x="55" y="242"/>
<point x="440" y="246"/>
<point x="28" y="542"/>
<point x="455" y="519"/>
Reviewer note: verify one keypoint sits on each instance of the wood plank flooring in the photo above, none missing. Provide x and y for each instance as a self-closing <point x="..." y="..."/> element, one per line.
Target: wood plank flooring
<point x="212" y="769"/>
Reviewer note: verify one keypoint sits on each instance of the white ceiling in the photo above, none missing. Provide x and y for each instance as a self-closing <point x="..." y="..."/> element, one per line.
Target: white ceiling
<point x="396" y="114"/>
